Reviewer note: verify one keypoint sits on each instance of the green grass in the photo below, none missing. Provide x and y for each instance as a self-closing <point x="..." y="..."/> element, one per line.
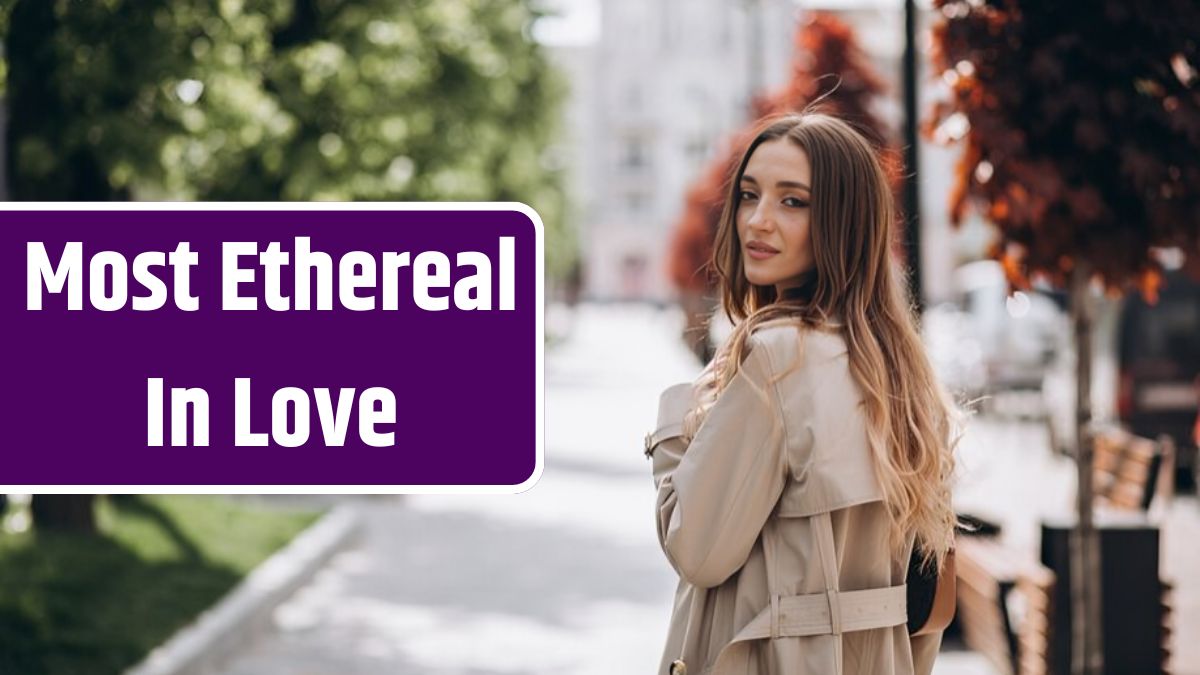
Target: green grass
<point x="72" y="604"/>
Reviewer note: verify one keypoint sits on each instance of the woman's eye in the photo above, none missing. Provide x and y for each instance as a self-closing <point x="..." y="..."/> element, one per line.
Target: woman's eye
<point x="746" y="195"/>
<point x="795" y="203"/>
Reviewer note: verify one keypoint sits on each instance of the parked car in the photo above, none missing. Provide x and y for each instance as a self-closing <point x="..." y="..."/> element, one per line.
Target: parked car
<point x="954" y="351"/>
<point x="988" y="340"/>
<point x="1159" y="353"/>
<point x="1146" y="361"/>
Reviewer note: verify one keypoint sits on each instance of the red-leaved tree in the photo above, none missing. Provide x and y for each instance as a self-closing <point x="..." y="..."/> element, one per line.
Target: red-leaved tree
<point x="1081" y="127"/>
<point x="829" y="66"/>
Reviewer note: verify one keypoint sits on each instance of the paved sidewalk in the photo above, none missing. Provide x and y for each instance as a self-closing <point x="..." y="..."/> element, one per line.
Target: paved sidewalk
<point x="568" y="578"/>
<point x="565" y="578"/>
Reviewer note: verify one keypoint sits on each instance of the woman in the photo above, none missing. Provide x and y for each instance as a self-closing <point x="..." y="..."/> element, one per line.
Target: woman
<point x="795" y="480"/>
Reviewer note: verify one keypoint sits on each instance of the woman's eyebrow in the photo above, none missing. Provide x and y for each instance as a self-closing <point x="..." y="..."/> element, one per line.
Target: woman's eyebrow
<point x="783" y="183"/>
<point x="792" y="184"/>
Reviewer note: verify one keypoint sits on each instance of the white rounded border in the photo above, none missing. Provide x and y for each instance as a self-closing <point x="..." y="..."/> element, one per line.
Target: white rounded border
<point x="539" y="330"/>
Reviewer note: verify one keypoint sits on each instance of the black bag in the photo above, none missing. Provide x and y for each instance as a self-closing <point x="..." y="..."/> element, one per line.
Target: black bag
<point x="931" y="596"/>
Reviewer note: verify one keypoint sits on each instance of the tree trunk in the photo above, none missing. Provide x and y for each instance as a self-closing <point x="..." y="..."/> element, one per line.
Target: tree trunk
<point x="69" y="513"/>
<point x="1087" y="657"/>
<point x="912" y="165"/>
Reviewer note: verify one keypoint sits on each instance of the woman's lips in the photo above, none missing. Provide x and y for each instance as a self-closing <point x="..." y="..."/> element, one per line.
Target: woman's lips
<point x="760" y="253"/>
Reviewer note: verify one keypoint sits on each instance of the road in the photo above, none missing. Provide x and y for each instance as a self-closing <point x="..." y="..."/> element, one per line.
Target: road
<point x="567" y="578"/>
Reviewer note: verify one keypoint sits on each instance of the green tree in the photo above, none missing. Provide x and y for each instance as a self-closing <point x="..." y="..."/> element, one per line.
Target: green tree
<point x="1081" y="130"/>
<point x="280" y="100"/>
<point x="96" y="92"/>
<point x="284" y="100"/>
<point x="424" y="100"/>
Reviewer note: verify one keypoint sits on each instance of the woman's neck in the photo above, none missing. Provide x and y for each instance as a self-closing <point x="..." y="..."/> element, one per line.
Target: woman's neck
<point x="803" y="290"/>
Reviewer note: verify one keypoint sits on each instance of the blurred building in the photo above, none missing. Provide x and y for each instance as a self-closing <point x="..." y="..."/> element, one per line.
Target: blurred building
<point x="673" y="78"/>
<point x="656" y="86"/>
<point x="575" y="58"/>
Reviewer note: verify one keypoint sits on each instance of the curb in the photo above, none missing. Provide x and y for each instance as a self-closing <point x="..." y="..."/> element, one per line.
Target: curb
<point x="199" y="647"/>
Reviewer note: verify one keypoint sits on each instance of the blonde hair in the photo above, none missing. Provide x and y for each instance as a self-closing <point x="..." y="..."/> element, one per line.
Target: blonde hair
<point x="912" y="424"/>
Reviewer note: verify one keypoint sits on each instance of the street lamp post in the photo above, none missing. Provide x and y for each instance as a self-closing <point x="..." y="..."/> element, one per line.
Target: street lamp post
<point x="912" y="196"/>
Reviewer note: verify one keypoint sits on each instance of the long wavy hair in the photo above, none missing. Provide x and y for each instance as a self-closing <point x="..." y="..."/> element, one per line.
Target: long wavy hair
<point x="859" y="291"/>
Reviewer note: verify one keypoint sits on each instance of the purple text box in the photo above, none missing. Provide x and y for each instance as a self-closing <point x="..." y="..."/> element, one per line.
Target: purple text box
<point x="467" y="383"/>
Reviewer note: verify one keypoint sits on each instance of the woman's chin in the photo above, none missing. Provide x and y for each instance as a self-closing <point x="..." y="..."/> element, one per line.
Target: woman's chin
<point x="760" y="279"/>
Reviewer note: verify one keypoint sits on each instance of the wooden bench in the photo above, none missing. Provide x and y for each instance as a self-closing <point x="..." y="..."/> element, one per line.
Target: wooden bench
<point x="996" y="586"/>
<point x="1007" y="610"/>
<point x="1035" y="587"/>
<point x="1129" y="471"/>
<point x="1006" y="601"/>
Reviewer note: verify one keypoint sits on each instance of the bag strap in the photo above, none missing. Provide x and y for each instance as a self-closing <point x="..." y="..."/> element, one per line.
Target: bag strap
<point x="941" y="613"/>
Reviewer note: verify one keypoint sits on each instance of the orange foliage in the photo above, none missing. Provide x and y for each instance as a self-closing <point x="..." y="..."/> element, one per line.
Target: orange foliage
<point x="1086" y="124"/>
<point x="829" y="68"/>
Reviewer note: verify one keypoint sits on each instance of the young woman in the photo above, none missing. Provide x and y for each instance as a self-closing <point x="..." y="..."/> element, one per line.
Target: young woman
<point x="798" y="473"/>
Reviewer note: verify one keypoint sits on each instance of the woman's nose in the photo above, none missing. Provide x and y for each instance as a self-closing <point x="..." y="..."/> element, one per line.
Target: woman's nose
<point x="760" y="218"/>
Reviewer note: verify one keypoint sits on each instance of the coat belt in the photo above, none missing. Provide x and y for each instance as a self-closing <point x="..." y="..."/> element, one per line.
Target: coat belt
<point x="830" y="613"/>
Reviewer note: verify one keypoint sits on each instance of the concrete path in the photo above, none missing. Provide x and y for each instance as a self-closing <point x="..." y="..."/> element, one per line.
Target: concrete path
<point x="568" y="579"/>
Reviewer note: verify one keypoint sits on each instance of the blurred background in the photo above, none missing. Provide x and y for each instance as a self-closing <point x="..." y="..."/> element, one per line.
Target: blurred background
<point x="1026" y="142"/>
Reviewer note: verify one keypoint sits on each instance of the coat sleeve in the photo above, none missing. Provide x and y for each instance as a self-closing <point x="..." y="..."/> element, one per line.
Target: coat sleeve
<point x="666" y="444"/>
<point x="715" y="494"/>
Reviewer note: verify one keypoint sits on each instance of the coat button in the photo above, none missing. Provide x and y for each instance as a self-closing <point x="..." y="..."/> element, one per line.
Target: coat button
<point x="678" y="667"/>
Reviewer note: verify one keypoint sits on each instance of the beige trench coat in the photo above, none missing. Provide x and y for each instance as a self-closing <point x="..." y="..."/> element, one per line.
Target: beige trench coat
<point x="773" y="518"/>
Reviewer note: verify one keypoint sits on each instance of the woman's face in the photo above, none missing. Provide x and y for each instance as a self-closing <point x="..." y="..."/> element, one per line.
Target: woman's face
<point x="773" y="215"/>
